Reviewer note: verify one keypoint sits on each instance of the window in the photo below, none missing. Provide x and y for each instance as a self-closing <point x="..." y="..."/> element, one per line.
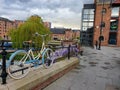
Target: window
<point x="104" y="11"/>
<point x="113" y="25"/>
<point x="86" y="11"/>
<point x="102" y="24"/>
<point x="85" y="16"/>
<point x="104" y="1"/>
<point x="115" y="12"/>
<point x="84" y="28"/>
<point x="91" y="16"/>
<point x="85" y="24"/>
<point x="87" y="19"/>
<point x="90" y="24"/>
<point x="91" y="11"/>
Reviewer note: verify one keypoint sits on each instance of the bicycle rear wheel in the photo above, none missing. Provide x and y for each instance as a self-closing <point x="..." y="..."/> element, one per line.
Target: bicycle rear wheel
<point x="18" y="67"/>
<point x="47" y="58"/>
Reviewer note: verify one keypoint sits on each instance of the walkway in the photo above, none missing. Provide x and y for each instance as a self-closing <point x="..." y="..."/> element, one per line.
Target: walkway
<point x="98" y="70"/>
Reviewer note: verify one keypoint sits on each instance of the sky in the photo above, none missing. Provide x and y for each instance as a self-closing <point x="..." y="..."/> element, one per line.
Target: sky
<point x="61" y="13"/>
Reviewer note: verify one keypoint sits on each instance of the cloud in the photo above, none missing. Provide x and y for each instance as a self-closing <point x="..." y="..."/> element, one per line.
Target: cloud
<point x="66" y="13"/>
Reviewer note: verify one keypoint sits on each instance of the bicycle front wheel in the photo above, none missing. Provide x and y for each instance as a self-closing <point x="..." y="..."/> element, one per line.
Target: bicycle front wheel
<point x="47" y="58"/>
<point x="18" y="67"/>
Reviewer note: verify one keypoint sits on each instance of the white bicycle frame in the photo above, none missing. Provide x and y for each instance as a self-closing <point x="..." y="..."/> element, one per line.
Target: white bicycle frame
<point x="30" y="52"/>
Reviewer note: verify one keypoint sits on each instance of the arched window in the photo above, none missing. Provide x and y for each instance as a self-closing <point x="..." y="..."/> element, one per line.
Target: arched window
<point x="104" y="10"/>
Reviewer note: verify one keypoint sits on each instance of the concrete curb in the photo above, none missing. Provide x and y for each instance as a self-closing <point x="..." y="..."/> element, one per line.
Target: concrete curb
<point x="41" y="77"/>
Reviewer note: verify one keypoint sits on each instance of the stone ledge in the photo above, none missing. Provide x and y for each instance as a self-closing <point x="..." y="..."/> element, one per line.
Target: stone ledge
<point x="41" y="77"/>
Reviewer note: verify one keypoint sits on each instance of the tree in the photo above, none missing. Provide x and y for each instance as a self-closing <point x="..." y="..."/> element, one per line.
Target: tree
<point x="26" y="31"/>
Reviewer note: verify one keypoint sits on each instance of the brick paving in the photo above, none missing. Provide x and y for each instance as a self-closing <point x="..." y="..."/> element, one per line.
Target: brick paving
<point x="98" y="70"/>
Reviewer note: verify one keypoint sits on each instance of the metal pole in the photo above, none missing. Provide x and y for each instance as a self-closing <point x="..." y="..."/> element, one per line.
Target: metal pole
<point x="49" y="51"/>
<point x="69" y="52"/>
<point x="101" y="27"/>
<point x="4" y="73"/>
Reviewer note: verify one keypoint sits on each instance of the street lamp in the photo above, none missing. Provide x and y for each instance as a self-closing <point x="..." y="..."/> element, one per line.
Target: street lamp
<point x="102" y="24"/>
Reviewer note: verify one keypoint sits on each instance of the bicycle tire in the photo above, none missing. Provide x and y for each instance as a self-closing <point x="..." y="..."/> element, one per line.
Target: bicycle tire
<point x="17" y="68"/>
<point x="47" y="59"/>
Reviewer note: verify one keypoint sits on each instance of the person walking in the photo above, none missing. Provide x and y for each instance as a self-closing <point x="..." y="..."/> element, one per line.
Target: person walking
<point x="96" y="44"/>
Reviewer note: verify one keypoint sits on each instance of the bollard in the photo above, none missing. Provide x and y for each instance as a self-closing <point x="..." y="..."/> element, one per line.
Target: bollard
<point x="76" y="51"/>
<point x="69" y="52"/>
<point x="49" y="61"/>
<point x="81" y="53"/>
<point x="4" y="73"/>
<point x="76" y="46"/>
<point x="49" y="51"/>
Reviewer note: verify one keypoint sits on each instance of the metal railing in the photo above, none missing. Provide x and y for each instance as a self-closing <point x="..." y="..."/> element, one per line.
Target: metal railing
<point x="4" y="55"/>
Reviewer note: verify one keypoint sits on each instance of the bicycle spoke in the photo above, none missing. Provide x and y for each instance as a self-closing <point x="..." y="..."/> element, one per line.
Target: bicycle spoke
<point x="18" y="68"/>
<point x="48" y="58"/>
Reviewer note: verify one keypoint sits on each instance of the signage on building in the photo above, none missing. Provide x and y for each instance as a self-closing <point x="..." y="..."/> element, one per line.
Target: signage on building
<point x="114" y="25"/>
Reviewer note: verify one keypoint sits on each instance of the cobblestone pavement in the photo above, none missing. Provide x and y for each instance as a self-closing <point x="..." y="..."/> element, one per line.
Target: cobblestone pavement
<point x="98" y="70"/>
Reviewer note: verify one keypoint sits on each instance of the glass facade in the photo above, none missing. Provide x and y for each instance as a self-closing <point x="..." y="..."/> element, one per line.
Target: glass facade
<point x="87" y="25"/>
<point x="87" y="19"/>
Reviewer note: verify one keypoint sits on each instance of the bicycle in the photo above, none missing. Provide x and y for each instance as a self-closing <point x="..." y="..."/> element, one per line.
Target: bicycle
<point x="21" y="61"/>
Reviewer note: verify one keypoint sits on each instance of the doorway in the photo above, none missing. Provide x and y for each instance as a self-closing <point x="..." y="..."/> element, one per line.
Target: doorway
<point x="112" y="38"/>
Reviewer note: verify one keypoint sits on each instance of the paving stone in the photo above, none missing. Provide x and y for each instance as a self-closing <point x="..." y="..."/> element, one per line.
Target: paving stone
<point x="111" y="87"/>
<point x="55" y="87"/>
<point x="94" y="78"/>
<point x="101" y="74"/>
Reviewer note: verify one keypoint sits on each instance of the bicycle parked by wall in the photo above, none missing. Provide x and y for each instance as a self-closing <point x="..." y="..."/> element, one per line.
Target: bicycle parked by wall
<point x="21" y="61"/>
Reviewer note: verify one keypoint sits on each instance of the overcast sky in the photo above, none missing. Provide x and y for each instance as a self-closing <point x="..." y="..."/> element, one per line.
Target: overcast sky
<point x="61" y="13"/>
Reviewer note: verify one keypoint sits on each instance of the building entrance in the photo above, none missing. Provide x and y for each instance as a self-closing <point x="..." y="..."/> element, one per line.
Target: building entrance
<point x="112" y="38"/>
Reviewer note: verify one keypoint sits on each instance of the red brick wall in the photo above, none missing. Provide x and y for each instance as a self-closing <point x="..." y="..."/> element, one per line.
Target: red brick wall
<point x="17" y="23"/>
<point x="118" y="34"/>
<point x="106" y="19"/>
<point x="58" y="36"/>
<point x="76" y="34"/>
<point x="47" y="24"/>
<point x="5" y="26"/>
<point x="68" y="34"/>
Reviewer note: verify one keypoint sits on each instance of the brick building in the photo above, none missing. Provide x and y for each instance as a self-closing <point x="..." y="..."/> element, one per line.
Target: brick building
<point x="68" y="34"/>
<point x="5" y="25"/>
<point x="57" y="33"/>
<point x="106" y="26"/>
<point x="107" y="22"/>
<point x="17" y="23"/>
<point x="47" y="24"/>
<point x="64" y="34"/>
<point x="76" y="34"/>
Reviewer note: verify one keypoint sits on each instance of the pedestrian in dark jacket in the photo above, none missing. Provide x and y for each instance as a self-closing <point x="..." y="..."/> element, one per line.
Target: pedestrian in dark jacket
<point x="96" y="44"/>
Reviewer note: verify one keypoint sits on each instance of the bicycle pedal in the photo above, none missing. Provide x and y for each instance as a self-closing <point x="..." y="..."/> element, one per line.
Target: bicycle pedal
<point x="21" y="65"/>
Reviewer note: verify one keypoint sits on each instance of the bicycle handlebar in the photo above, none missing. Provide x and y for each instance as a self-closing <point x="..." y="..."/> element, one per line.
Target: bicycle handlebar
<point x="37" y="34"/>
<point x="43" y="35"/>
